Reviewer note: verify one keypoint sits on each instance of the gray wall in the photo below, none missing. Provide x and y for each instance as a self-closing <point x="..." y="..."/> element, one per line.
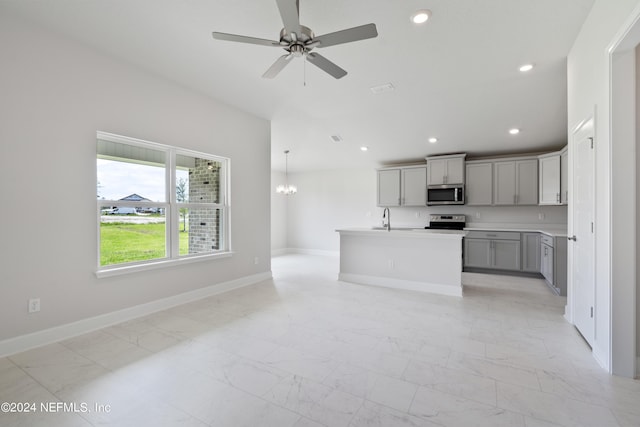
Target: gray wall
<point x="278" y="214"/>
<point x="55" y="95"/>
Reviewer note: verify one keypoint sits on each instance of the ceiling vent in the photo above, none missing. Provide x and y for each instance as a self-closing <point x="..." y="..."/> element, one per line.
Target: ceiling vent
<point x="387" y="87"/>
<point x="336" y="138"/>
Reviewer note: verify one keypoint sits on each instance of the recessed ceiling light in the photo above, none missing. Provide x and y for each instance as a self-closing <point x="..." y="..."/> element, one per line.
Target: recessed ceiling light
<point x="526" y="67"/>
<point x="514" y="131"/>
<point x="433" y="140"/>
<point x="364" y="148"/>
<point x="421" y="16"/>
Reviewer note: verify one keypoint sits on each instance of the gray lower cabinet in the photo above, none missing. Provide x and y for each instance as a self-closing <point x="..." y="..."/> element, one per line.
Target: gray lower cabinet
<point x="546" y="264"/>
<point x="553" y="262"/>
<point x="477" y="253"/>
<point x="492" y="250"/>
<point x="531" y="252"/>
<point x="513" y="251"/>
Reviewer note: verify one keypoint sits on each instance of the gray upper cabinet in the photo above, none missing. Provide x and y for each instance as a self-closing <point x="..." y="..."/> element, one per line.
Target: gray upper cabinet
<point x="516" y="182"/>
<point x="549" y="179"/>
<point x="405" y="186"/>
<point x="413" y="185"/>
<point x="445" y="169"/>
<point x="504" y="191"/>
<point x="479" y="185"/>
<point x="389" y="187"/>
<point x="564" y="176"/>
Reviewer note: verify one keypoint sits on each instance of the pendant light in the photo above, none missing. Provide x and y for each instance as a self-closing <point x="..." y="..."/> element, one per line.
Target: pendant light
<point x="286" y="189"/>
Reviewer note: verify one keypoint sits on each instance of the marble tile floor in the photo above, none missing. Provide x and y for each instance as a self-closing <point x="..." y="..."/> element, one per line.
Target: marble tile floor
<point x="307" y="350"/>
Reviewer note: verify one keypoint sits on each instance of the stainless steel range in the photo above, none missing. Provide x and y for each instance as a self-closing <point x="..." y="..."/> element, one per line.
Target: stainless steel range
<point x="447" y="222"/>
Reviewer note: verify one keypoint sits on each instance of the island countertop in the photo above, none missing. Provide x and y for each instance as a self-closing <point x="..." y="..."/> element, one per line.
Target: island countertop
<point x="403" y="232"/>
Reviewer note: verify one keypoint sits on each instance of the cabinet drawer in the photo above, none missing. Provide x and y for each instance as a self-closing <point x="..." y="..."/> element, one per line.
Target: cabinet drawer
<point x="493" y="235"/>
<point x="547" y="240"/>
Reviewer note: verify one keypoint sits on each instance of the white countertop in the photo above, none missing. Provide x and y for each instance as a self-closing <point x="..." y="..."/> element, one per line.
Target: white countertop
<point x="403" y="232"/>
<point x="553" y="230"/>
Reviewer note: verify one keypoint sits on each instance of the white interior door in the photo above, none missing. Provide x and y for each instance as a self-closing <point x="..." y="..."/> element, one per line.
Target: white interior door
<point x="583" y="231"/>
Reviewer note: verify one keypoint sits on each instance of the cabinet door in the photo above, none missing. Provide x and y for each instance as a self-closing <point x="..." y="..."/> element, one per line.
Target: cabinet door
<point x="454" y="171"/>
<point x="436" y="170"/>
<point x="527" y="182"/>
<point x="547" y="263"/>
<point x="531" y="252"/>
<point x="564" y="177"/>
<point x="389" y="187"/>
<point x="506" y="254"/>
<point x="477" y="253"/>
<point x="414" y="186"/>
<point x="549" y="180"/>
<point x="504" y="183"/>
<point x="479" y="186"/>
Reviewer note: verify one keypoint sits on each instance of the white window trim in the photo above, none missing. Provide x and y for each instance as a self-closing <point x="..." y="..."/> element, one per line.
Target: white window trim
<point x="171" y="207"/>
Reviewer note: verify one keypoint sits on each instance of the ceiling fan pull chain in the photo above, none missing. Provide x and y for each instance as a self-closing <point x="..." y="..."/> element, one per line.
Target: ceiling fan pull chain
<point x="304" y="72"/>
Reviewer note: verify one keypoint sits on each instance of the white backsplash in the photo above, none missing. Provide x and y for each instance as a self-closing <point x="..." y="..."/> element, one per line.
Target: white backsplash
<point x="419" y="217"/>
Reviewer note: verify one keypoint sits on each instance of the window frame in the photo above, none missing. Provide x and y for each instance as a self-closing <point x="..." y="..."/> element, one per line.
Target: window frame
<point x="171" y="209"/>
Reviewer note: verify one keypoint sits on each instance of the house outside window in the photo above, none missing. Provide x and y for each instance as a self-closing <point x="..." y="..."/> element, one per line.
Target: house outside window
<point x="158" y="203"/>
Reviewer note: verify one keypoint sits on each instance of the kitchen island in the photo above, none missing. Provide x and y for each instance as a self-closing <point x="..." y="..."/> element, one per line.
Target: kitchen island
<point x="413" y="259"/>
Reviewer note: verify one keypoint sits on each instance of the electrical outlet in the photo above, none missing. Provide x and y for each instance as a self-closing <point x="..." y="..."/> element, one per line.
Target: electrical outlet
<point x="256" y="260"/>
<point x="368" y="214"/>
<point x="391" y="264"/>
<point x="477" y="215"/>
<point x="541" y="216"/>
<point x="418" y="214"/>
<point x="34" y="305"/>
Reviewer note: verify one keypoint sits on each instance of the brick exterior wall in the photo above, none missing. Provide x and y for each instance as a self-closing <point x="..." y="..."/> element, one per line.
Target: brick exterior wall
<point x="204" y="224"/>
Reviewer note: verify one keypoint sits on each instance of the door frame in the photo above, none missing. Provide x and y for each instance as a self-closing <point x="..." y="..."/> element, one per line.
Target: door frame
<point x="623" y="284"/>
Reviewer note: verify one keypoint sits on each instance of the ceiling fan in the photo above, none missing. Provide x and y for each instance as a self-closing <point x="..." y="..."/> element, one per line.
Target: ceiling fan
<point x="299" y="40"/>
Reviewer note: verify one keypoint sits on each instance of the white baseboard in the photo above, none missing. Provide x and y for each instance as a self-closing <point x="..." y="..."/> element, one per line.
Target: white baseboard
<point x="567" y="314"/>
<point x="279" y="252"/>
<point x="638" y="367"/>
<point x="434" y="288"/>
<point x="286" y="251"/>
<point x="36" y="339"/>
<point x="601" y="357"/>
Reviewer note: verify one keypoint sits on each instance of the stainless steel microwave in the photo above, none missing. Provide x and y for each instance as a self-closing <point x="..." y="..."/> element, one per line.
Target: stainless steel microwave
<point x="447" y="194"/>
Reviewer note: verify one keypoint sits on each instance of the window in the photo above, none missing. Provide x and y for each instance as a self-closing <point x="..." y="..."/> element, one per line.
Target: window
<point x="158" y="204"/>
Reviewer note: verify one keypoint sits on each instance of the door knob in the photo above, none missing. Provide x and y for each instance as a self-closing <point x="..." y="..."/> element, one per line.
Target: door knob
<point x="572" y="238"/>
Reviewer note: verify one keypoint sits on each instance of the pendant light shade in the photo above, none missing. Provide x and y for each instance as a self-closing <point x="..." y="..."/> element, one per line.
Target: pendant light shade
<point x="286" y="189"/>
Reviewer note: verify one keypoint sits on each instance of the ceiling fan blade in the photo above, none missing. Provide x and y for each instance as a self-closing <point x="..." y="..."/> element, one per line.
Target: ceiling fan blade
<point x="277" y="66"/>
<point x="325" y="65"/>
<point x="362" y="32"/>
<point x="244" y="39"/>
<point x="290" y="14"/>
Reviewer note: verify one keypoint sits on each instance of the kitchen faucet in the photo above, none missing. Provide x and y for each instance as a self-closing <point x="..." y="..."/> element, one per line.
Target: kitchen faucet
<point x="386" y="214"/>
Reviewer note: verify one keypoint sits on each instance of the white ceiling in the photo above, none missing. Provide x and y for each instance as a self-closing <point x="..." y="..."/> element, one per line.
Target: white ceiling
<point x="456" y="77"/>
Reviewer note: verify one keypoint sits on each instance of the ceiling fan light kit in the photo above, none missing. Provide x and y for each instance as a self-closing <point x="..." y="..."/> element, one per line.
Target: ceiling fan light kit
<point x="299" y="41"/>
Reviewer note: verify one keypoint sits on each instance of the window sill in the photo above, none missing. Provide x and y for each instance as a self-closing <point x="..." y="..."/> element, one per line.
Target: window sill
<point x="118" y="271"/>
